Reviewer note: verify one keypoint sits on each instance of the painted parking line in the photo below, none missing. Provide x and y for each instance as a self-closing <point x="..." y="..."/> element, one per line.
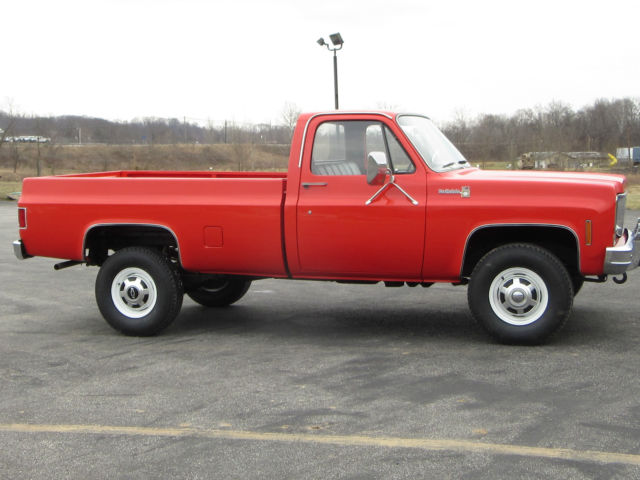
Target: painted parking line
<point x="427" y="444"/>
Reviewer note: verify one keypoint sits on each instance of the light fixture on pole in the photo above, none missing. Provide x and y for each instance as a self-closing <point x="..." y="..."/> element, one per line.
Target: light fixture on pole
<point x="337" y="41"/>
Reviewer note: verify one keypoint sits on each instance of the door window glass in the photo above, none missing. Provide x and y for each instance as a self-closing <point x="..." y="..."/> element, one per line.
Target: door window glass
<point x="335" y="150"/>
<point x="342" y="148"/>
<point x="399" y="159"/>
<point x="380" y="139"/>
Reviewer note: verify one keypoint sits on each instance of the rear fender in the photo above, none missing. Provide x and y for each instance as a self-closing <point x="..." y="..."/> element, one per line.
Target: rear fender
<point x="100" y="238"/>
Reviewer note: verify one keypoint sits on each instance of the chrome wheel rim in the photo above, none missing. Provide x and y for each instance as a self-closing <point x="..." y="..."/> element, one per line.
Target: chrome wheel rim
<point x="518" y="296"/>
<point x="134" y="293"/>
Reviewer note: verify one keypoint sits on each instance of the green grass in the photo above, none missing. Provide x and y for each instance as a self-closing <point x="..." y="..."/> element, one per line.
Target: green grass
<point x="9" y="187"/>
<point x="633" y="197"/>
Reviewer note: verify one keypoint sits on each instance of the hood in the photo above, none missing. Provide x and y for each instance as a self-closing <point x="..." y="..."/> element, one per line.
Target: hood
<point x="523" y="192"/>
<point x="533" y="177"/>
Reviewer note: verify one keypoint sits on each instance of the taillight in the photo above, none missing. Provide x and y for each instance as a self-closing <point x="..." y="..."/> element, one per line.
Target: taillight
<point x="22" y="217"/>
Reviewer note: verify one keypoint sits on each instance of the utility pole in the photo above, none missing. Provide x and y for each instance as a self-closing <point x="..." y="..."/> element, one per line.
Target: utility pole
<point x="335" y="76"/>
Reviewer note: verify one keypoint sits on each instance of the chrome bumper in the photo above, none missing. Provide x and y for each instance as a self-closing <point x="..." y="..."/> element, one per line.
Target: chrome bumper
<point x="624" y="256"/>
<point x="19" y="250"/>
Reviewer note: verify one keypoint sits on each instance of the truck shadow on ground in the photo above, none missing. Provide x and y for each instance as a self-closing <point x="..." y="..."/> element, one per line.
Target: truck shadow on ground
<point x="325" y="324"/>
<point x="349" y="325"/>
<point x="299" y="319"/>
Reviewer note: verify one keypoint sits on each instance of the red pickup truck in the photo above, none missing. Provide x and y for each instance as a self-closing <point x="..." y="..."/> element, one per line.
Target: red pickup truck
<point x="369" y="197"/>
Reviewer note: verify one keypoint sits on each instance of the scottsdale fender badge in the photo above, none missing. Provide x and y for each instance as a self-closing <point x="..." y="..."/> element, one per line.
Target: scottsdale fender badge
<point x="464" y="192"/>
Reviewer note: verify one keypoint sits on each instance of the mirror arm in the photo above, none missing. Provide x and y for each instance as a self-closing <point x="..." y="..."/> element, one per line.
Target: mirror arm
<point x="409" y="197"/>
<point x="392" y="182"/>
<point x="375" y="195"/>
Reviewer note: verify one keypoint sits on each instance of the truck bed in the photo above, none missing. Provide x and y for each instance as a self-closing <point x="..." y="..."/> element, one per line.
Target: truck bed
<point x="223" y="222"/>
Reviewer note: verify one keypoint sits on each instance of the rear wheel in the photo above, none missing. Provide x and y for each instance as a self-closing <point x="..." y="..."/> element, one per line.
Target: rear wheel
<point x="520" y="293"/>
<point x="138" y="292"/>
<point x="220" y="292"/>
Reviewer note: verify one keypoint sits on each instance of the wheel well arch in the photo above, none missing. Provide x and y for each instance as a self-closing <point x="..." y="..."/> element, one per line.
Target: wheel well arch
<point x="560" y="240"/>
<point x="101" y="238"/>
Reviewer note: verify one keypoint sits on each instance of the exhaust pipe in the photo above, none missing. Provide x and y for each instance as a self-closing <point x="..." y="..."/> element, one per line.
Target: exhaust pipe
<point x="67" y="264"/>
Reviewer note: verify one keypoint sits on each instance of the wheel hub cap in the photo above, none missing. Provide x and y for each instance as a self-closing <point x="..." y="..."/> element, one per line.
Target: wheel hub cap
<point x="518" y="296"/>
<point x="134" y="292"/>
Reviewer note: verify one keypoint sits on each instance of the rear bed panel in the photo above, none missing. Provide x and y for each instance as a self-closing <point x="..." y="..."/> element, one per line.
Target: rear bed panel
<point x="225" y="222"/>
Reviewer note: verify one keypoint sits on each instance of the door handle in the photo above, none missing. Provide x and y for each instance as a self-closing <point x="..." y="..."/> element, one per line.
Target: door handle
<point x="314" y="184"/>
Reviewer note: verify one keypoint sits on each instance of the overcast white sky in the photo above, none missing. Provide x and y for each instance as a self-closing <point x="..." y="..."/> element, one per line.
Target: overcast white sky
<point x="243" y="60"/>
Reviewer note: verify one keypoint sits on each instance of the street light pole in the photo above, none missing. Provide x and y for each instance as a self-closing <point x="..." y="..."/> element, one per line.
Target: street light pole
<point x="335" y="76"/>
<point x="337" y="41"/>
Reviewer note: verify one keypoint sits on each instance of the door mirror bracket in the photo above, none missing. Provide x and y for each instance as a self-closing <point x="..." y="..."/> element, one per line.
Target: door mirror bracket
<point x="377" y="172"/>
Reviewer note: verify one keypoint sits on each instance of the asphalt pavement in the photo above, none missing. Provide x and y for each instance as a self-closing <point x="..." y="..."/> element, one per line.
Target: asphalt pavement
<point x="310" y="380"/>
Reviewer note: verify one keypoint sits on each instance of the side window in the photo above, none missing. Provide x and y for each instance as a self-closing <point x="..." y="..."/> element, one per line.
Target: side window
<point x="336" y="149"/>
<point x="399" y="158"/>
<point x="375" y="139"/>
<point x="381" y="139"/>
<point x="342" y="148"/>
<point x="328" y="146"/>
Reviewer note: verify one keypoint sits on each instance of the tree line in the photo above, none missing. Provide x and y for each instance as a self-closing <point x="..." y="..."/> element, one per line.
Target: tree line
<point x="603" y="126"/>
<point x="70" y="129"/>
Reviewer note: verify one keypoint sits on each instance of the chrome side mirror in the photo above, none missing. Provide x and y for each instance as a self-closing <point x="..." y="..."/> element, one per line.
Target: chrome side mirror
<point x="377" y="168"/>
<point x="377" y="173"/>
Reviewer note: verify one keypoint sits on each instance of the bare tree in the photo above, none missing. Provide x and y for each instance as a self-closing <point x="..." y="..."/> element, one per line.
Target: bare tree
<point x="290" y="114"/>
<point x="10" y="122"/>
<point x="52" y="154"/>
<point x="40" y="132"/>
<point x="15" y="156"/>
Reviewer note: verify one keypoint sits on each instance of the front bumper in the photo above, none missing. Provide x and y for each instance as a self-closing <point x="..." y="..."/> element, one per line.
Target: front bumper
<point x="19" y="250"/>
<point x="625" y="255"/>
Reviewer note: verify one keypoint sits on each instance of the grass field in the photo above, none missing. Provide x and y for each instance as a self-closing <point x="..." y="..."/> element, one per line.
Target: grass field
<point x="61" y="159"/>
<point x="58" y="159"/>
<point x="633" y="198"/>
<point x="9" y="187"/>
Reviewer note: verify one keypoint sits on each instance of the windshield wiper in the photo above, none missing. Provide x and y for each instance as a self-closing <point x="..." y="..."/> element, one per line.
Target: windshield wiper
<point x="451" y="164"/>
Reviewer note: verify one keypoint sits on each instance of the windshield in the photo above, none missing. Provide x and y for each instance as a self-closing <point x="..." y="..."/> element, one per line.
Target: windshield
<point x="436" y="149"/>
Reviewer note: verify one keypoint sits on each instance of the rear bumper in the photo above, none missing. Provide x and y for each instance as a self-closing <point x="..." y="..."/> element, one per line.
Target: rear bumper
<point x="625" y="255"/>
<point x="19" y="250"/>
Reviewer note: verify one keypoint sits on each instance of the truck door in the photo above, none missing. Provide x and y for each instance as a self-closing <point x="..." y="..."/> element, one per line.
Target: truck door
<point x="339" y="234"/>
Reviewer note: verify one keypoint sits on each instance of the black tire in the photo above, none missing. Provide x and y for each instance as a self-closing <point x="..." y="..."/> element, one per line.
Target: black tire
<point x="520" y="294"/>
<point x="577" y="281"/>
<point x="138" y="292"/>
<point x="220" y="292"/>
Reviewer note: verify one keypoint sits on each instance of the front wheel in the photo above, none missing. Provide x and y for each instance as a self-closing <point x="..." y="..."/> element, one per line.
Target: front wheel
<point x="520" y="293"/>
<point x="138" y="292"/>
